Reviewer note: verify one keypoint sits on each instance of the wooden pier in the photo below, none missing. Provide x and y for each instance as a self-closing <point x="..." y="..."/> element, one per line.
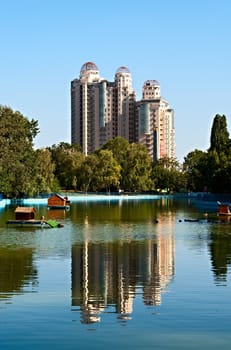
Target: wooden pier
<point x="25" y="216"/>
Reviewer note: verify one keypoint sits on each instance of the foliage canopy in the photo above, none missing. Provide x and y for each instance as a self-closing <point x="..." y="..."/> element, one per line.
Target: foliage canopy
<point x="117" y="166"/>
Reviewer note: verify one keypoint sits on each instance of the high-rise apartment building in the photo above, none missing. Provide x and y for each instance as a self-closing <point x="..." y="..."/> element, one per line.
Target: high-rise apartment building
<point x="102" y="110"/>
<point x="156" y="122"/>
<point x="125" y="99"/>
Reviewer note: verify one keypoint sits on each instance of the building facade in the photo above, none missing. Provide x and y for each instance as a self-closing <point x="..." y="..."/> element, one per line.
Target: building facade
<point x="156" y="122"/>
<point x="102" y="110"/>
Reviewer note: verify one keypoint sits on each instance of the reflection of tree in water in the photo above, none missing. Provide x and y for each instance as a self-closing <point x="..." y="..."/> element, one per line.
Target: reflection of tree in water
<point x="220" y="250"/>
<point x="16" y="270"/>
<point x="122" y="211"/>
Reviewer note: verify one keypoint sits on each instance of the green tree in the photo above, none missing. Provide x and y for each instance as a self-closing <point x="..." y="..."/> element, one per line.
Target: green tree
<point x="119" y="147"/>
<point x="135" y="164"/>
<point x="17" y="155"/>
<point x="219" y="139"/>
<point x="136" y="169"/>
<point x="68" y="159"/>
<point x="211" y="170"/>
<point x="107" y="171"/>
<point x="87" y="173"/>
<point x="44" y="179"/>
<point x="195" y="167"/>
<point x="221" y="170"/>
<point x="100" y="171"/>
<point x="220" y="155"/>
<point x="168" y="175"/>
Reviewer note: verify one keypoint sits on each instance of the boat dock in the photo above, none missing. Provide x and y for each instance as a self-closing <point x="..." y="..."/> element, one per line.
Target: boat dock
<point x="42" y="223"/>
<point x="26" y="216"/>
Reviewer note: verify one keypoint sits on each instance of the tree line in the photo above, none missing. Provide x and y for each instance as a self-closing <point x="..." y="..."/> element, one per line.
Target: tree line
<point x="211" y="170"/>
<point x="117" y="166"/>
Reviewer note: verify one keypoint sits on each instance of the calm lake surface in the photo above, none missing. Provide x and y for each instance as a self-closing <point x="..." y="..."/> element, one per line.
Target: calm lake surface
<point x="125" y="274"/>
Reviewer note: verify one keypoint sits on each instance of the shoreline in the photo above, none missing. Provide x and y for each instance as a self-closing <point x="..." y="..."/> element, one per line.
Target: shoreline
<point x="203" y="200"/>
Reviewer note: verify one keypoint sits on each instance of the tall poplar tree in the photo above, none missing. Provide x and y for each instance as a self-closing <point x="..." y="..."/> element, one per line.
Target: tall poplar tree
<point x="219" y="139"/>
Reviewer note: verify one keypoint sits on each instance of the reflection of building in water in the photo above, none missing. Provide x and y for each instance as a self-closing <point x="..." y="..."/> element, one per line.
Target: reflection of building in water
<point x="160" y="269"/>
<point x="56" y="214"/>
<point x="107" y="274"/>
<point x="87" y="279"/>
<point x="165" y="251"/>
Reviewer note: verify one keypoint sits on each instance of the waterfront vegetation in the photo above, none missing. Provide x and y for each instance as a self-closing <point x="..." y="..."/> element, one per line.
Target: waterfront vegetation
<point x="117" y="166"/>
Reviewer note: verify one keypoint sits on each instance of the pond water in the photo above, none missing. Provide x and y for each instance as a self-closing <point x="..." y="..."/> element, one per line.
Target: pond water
<point x="125" y="274"/>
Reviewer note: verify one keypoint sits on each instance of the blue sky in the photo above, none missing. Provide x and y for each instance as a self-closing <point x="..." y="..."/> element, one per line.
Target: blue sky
<point x="185" y="45"/>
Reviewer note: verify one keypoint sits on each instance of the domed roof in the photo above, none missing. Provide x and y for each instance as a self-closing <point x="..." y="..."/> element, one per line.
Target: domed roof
<point x="89" y="66"/>
<point x="123" y="69"/>
<point x="151" y="83"/>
